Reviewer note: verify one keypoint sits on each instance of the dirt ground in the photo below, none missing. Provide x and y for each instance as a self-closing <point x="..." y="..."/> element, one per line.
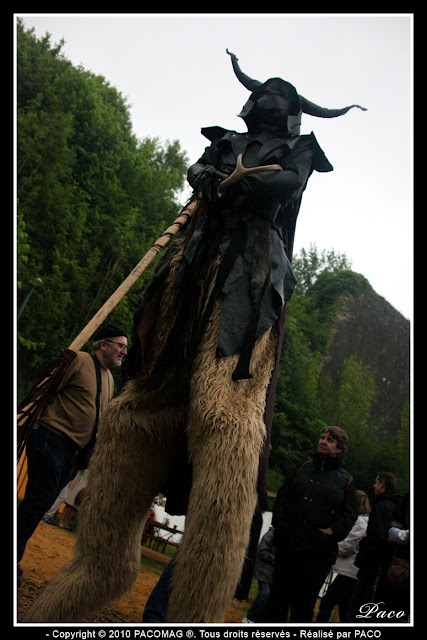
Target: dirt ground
<point x="51" y="547"/>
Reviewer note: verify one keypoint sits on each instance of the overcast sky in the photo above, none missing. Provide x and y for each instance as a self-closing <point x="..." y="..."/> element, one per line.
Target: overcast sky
<point x="175" y="74"/>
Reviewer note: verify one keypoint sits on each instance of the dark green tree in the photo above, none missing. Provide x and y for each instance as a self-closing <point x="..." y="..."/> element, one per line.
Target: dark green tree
<point x="309" y="263"/>
<point x="92" y="199"/>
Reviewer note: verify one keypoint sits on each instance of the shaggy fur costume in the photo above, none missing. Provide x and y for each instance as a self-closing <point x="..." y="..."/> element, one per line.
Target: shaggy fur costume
<point x="140" y="436"/>
<point x="203" y="384"/>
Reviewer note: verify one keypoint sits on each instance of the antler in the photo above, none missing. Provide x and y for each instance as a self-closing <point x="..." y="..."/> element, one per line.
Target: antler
<point x="240" y="171"/>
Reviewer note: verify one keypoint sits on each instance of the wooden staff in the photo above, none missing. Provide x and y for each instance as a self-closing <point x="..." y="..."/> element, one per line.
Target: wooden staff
<point x="45" y="387"/>
<point x="134" y="275"/>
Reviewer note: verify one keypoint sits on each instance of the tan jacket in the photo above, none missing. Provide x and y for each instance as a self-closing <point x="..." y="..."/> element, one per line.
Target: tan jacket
<point x="73" y="410"/>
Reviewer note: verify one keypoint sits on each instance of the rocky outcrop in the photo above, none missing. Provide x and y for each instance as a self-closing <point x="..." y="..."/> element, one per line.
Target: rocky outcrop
<point x="378" y="336"/>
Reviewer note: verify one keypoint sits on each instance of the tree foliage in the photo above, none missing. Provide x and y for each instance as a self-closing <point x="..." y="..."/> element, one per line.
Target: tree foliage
<point x="92" y="198"/>
<point x="310" y="263"/>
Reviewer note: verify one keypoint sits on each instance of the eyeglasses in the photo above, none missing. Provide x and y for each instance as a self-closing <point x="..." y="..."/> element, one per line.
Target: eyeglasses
<point x="123" y="347"/>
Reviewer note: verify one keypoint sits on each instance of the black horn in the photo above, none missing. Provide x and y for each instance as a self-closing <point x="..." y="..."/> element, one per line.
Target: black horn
<point x="312" y="109"/>
<point x="246" y="81"/>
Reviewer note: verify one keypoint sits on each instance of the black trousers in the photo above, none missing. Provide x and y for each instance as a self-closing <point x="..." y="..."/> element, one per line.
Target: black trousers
<point x="339" y="592"/>
<point x="51" y="465"/>
<point x="298" y="578"/>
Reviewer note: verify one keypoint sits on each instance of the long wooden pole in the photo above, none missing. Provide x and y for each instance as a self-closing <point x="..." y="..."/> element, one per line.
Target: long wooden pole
<point x="33" y="405"/>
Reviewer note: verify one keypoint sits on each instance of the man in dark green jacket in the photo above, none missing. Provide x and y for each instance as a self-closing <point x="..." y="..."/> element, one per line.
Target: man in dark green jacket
<point x="314" y="509"/>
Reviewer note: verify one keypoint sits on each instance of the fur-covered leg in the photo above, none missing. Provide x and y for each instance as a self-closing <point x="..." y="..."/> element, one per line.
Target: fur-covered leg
<point x="133" y="451"/>
<point x="226" y="432"/>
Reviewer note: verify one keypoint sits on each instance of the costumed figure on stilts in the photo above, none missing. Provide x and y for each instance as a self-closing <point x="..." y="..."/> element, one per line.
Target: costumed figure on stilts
<point x="193" y="421"/>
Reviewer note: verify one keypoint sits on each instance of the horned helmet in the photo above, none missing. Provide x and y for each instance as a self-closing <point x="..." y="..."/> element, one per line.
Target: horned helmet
<point x="276" y="94"/>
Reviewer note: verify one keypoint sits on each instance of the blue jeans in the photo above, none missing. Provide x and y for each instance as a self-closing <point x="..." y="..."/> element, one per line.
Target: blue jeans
<point x="258" y="604"/>
<point x="157" y="604"/>
<point x="51" y="465"/>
